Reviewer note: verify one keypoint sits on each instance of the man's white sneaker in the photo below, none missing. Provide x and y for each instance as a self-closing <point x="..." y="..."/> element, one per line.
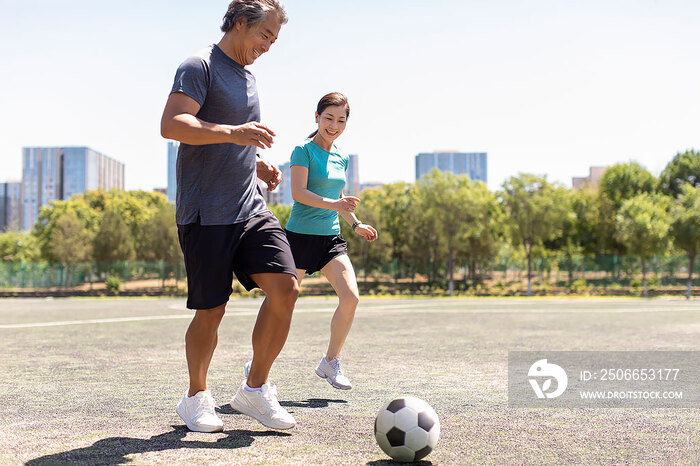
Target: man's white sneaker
<point x="246" y="368"/>
<point x="333" y="373"/>
<point x="198" y="412"/>
<point x="263" y="406"/>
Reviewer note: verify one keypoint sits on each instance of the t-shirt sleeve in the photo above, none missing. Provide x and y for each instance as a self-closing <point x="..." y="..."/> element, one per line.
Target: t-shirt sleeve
<point x="192" y="79"/>
<point x="299" y="157"/>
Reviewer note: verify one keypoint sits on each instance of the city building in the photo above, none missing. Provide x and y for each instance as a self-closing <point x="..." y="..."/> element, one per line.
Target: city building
<point x="163" y="191"/>
<point x="352" y="184"/>
<point x="10" y="205"/>
<point x="57" y="173"/>
<point x="592" y="180"/>
<point x="473" y="164"/>
<point x="172" y="165"/>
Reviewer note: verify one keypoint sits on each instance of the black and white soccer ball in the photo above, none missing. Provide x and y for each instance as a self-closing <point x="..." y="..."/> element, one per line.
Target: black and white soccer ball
<point x="407" y="429"/>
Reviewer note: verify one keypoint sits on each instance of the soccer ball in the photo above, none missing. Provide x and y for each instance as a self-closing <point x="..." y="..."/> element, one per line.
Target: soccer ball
<point x="407" y="429"/>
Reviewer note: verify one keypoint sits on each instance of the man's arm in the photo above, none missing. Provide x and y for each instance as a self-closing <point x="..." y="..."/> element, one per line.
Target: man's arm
<point x="180" y="124"/>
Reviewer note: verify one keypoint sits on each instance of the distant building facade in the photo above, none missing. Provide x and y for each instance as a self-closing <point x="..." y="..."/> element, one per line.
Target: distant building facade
<point x="57" y="173"/>
<point x="371" y="184"/>
<point x="473" y="164"/>
<point x="10" y="205"/>
<point x="592" y="180"/>
<point x="173" y="148"/>
<point x="352" y="183"/>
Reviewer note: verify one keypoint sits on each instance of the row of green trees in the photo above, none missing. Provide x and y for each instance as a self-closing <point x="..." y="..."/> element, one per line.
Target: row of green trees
<point x="427" y="228"/>
<point x="99" y="227"/>
<point x="448" y="219"/>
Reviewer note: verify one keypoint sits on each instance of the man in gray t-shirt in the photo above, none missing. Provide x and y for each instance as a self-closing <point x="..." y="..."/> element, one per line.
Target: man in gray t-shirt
<point x="223" y="223"/>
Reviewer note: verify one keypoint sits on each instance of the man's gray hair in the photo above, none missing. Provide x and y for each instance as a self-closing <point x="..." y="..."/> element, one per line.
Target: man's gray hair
<point x="253" y="11"/>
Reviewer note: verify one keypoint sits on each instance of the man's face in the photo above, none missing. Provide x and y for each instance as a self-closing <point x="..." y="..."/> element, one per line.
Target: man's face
<point x="258" y="38"/>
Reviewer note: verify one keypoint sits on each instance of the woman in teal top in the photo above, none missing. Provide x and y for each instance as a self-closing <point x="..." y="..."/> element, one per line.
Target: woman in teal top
<point x="318" y="176"/>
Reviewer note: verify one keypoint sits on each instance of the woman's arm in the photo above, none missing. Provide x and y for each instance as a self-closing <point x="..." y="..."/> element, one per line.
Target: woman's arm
<point x="300" y="178"/>
<point x="360" y="228"/>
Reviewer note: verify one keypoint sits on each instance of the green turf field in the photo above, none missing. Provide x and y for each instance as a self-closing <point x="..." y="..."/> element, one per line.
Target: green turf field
<point x="92" y="381"/>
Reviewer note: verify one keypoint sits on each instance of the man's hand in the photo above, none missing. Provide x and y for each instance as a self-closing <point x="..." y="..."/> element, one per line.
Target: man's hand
<point x="252" y="134"/>
<point x="268" y="173"/>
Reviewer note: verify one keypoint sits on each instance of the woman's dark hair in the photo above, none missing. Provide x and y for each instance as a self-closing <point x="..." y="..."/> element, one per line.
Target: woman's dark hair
<point x="331" y="100"/>
<point x="253" y="11"/>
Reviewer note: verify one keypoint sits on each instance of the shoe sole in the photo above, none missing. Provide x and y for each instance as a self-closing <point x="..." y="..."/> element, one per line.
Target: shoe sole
<point x="330" y="382"/>
<point x="195" y="428"/>
<point x="255" y="415"/>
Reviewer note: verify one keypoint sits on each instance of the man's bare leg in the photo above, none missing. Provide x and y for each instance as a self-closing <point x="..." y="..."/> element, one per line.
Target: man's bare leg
<point x="272" y="326"/>
<point x="200" y="342"/>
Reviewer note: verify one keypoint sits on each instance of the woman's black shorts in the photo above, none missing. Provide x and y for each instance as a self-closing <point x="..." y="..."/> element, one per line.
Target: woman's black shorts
<point x="313" y="252"/>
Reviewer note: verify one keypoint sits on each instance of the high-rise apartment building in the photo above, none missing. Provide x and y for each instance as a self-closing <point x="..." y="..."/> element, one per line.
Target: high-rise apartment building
<point x="473" y="164"/>
<point x="10" y="205"/>
<point x="57" y="173"/>
<point x="173" y="148"/>
<point x="352" y="185"/>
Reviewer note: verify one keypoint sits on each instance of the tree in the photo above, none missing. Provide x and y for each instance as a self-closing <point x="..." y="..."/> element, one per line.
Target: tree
<point x="684" y="168"/>
<point x="456" y="204"/>
<point x="535" y="210"/>
<point x="578" y="236"/>
<point x="113" y="241"/>
<point x="396" y="213"/>
<point x="480" y="244"/>
<point x="160" y="239"/>
<point x="643" y="224"/>
<point x="69" y="242"/>
<point x="618" y="184"/>
<point x="16" y="246"/>
<point x="363" y="254"/>
<point x="624" y="181"/>
<point x="685" y="226"/>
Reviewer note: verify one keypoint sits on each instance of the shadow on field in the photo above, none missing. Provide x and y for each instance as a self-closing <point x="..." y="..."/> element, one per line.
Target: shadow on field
<point x="113" y="450"/>
<point x="310" y="403"/>
<point x="392" y="463"/>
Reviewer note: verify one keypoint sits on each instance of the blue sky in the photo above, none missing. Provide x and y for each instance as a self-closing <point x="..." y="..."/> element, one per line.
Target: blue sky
<point x="544" y="86"/>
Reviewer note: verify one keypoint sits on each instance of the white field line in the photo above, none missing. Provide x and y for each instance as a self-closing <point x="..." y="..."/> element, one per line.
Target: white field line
<point x="393" y="309"/>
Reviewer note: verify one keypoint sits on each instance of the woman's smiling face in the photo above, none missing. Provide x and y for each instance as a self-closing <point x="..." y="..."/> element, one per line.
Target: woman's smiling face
<point x="331" y="122"/>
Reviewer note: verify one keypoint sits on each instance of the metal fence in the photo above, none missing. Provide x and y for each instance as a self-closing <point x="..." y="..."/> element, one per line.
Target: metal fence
<point x="43" y="275"/>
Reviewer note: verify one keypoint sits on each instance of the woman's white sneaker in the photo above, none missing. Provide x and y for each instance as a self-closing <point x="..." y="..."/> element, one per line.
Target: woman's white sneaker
<point x="332" y="371"/>
<point x="263" y="406"/>
<point x="198" y="412"/>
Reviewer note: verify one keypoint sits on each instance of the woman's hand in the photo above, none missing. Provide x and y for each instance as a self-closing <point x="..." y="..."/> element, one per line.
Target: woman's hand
<point x="346" y="203"/>
<point x="367" y="231"/>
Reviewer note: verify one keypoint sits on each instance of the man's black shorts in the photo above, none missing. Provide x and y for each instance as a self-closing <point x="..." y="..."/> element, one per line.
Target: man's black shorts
<point x="313" y="252"/>
<point x="213" y="253"/>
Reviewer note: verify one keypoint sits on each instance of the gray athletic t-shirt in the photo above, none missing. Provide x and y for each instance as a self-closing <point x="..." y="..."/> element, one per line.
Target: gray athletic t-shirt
<point x="218" y="182"/>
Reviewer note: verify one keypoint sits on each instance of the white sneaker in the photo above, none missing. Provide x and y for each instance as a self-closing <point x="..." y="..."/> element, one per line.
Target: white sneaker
<point x="198" y="412"/>
<point x="263" y="406"/>
<point x="333" y="373"/>
<point x="246" y="368"/>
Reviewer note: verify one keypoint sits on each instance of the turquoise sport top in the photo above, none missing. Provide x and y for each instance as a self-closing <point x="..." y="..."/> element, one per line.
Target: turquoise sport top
<point x="327" y="179"/>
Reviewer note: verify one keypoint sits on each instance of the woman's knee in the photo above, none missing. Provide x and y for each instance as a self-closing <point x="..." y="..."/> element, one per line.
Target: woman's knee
<point x="349" y="299"/>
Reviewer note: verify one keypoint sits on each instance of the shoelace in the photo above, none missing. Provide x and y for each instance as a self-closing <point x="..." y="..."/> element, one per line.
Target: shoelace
<point x="270" y="394"/>
<point x="335" y="364"/>
<point x="206" y="405"/>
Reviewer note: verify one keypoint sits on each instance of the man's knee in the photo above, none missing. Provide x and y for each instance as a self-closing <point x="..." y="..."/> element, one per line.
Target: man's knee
<point x="211" y="316"/>
<point x="286" y="290"/>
